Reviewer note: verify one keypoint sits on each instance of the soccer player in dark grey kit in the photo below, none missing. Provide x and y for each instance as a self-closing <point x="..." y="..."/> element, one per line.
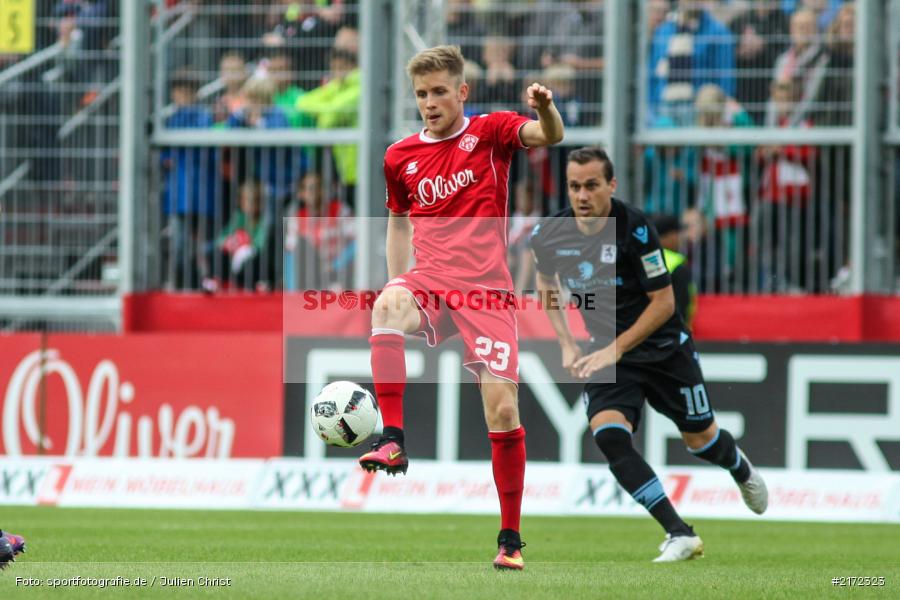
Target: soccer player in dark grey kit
<point x="652" y="356"/>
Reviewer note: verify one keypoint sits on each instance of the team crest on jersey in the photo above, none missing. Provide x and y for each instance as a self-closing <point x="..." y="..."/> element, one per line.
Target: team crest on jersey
<point x="608" y="254"/>
<point x="468" y="142"/>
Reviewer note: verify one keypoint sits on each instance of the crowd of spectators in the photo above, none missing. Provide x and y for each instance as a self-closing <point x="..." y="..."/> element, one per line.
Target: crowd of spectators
<point x="776" y="64"/>
<point x="85" y="32"/>
<point x="274" y="65"/>
<point x="279" y="66"/>
<point x="509" y="45"/>
<point x="746" y="47"/>
<point x="709" y="64"/>
<point x="758" y="205"/>
<point x="57" y="146"/>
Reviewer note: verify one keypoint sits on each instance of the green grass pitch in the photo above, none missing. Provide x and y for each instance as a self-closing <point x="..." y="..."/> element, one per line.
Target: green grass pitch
<point x="342" y="555"/>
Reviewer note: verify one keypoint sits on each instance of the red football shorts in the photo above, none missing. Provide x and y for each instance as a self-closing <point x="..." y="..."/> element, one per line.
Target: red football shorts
<point x="484" y="318"/>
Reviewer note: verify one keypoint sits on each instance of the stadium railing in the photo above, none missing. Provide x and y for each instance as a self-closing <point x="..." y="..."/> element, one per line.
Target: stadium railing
<point x="758" y="120"/>
<point x="838" y="212"/>
<point x="58" y="173"/>
<point x="891" y="198"/>
<point x="254" y="107"/>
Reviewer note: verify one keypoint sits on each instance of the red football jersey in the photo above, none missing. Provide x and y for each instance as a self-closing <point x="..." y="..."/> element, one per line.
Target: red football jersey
<point x="456" y="192"/>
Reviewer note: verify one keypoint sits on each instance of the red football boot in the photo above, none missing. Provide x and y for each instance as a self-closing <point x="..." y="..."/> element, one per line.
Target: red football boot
<point x="386" y="455"/>
<point x="509" y="555"/>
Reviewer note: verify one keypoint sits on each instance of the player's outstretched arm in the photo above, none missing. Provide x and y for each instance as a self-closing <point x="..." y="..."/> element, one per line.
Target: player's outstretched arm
<point x="661" y="307"/>
<point x="548" y="129"/>
<point x="551" y="302"/>
<point x="399" y="244"/>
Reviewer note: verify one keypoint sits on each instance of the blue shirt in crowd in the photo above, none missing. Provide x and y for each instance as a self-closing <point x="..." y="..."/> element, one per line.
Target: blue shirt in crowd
<point x="277" y="167"/>
<point x="189" y="173"/>
<point x="712" y="60"/>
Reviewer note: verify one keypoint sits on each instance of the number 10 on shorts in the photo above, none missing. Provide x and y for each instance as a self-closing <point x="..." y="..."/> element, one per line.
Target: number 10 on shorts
<point x="696" y="399"/>
<point x="485" y="346"/>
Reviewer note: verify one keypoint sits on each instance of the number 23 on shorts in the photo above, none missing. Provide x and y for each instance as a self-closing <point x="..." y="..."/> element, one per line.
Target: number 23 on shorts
<point x="485" y="347"/>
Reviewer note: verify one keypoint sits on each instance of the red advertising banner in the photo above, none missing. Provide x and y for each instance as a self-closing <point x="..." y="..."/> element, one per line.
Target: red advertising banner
<point x="167" y="395"/>
<point x="828" y="319"/>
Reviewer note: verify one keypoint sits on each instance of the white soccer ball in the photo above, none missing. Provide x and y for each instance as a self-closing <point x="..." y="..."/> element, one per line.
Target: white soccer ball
<point x="344" y="414"/>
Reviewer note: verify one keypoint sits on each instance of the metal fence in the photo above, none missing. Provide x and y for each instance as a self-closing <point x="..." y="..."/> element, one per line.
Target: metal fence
<point x="58" y="172"/>
<point x="891" y="168"/>
<point x="761" y="55"/>
<point x="226" y="217"/>
<point x="759" y="124"/>
<point x="228" y="60"/>
<point x="507" y="45"/>
<point x="757" y="219"/>
<point x="244" y="94"/>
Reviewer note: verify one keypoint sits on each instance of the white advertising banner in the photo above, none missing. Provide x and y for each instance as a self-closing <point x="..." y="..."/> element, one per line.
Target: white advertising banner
<point x="138" y="483"/>
<point x="21" y="480"/>
<point x="462" y="487"/>
<point x="557" y="489"/>
<point x="711" y="493"/>
<point x="305" y="484"/>
<point x="431" y="487"/>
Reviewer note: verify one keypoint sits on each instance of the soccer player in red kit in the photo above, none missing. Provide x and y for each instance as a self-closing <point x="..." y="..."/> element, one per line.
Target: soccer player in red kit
<point x="447" y="199"/>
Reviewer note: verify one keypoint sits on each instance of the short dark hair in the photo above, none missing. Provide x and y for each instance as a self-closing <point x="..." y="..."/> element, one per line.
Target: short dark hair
<point x="583" y="156"/>
<point x="666" y="223"/>
<point x="344" y="55"/>
<point x="282" y="54"/>
<point x="185" y="78"/>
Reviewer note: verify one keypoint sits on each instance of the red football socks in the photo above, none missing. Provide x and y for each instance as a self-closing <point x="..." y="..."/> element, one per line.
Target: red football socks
<point x="389" y="374"/>
<point x="508" y="458"/>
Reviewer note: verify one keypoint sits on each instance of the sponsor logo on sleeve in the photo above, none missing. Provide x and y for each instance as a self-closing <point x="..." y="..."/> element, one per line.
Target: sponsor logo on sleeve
<point x="641" y="234"/>
<point x="653" y="264"/>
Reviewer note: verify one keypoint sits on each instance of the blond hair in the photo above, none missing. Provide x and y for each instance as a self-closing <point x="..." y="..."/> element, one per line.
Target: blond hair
<point x="710" y="98"/>
<point x="709" y="105"/>
<point x="439" y="58"/>
<point x="558" y="72"/>
<point x="259" y="89"/>
<point x="835" y="41"/>
<point x="473" y="71"/>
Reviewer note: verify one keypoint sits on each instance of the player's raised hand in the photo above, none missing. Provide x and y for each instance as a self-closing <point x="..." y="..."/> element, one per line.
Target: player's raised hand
<point x="539" y="97"/>
<point x="587" y="365"/>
